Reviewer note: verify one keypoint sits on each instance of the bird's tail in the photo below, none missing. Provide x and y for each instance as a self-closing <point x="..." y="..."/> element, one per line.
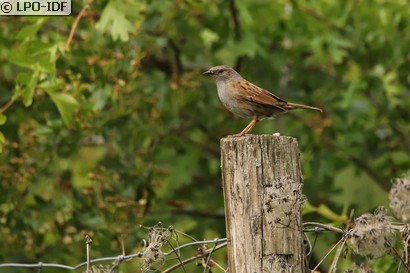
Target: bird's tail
<point x="301" y="106"/>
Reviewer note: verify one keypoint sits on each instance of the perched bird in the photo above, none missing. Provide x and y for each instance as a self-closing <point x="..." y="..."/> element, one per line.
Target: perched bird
<point x="248" y="100"/>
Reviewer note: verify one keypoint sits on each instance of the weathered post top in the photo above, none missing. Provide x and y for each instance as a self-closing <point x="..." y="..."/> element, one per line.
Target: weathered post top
<point x="262" y="185"/>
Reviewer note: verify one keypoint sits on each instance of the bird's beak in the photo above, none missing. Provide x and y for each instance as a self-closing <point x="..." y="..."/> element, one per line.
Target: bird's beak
<point x="209" y="72"/>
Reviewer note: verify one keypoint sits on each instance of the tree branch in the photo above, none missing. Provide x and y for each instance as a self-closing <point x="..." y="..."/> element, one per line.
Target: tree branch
<point x="177" y="57"/>
<point x="370" y="172"/>
<point x="236" y="29"/>
<point x="234" y="14"/>
<point x="5" y="107"/>
<point x="320" y="18"/>
<point x="404" y="140"/>
<point x="75" y="24"/>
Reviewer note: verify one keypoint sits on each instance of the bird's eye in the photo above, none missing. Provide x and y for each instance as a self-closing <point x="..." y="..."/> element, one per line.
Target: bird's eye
<point x="220" y="71"/>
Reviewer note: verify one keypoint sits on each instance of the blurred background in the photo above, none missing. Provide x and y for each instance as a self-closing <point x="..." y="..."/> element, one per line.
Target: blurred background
<point x="117" y="127"/>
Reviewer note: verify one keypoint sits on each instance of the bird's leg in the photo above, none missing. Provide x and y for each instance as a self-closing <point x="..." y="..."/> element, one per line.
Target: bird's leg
<point x="248" y="128"/>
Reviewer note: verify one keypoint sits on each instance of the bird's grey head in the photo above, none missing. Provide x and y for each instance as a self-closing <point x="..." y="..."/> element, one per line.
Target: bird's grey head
<point x="223" y="73"/>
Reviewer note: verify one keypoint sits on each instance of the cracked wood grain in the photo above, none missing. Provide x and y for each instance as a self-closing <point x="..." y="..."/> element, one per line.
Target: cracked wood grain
<point x="262" y="185"/>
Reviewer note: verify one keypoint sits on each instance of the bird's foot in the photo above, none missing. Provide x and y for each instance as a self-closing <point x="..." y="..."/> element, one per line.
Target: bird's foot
<point x="276" y="134"/>
<point x="235" y="135"/>
<point x="239" y="135"/>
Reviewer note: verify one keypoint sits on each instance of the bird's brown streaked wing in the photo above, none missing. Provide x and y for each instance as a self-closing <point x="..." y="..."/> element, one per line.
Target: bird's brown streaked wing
<point x="258" y="95"/>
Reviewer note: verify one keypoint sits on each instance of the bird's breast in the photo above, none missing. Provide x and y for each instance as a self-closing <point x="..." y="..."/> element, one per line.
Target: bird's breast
<point x="231" y="99"/>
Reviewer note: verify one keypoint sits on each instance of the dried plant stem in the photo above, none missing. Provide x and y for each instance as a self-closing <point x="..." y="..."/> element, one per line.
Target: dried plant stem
<point x="193" y="258"/>
<point x="178" y="255"/>
<point x="398" y="256"/>
<point x="332" y="268"/>
<point x="328" y="253"/>
<point x="88" y="243"/>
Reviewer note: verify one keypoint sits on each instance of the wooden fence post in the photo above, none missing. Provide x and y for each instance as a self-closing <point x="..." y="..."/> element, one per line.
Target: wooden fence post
<point x="262" y="185"/>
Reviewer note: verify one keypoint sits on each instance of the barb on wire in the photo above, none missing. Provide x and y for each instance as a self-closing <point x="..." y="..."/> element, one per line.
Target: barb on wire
<point x="325" y="227"/>
<point x="40" y="268"/>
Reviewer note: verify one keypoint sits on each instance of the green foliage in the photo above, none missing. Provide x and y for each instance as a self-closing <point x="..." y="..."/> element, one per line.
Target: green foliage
<point x="122" y="128"/>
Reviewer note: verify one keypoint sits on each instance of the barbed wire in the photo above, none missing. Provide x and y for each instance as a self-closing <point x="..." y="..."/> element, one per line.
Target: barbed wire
<point x="158" y="236"/>
<point x="119" y="259"/>
<point x="369" y="235"/>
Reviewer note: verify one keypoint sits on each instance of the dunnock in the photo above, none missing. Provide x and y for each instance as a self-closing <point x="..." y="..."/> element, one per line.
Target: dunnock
<point x="248" y="100"/>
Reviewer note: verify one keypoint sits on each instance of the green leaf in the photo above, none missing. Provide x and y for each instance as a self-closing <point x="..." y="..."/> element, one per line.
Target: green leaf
<point x="3" y="119"/>
<point x="23" y="78"/>
<point x="43" y="130"/>
<point x="30" y="31"/>
<point x="390" y="84"/>
<point x="37" y="47"/>
<point x="348" y="96"/>
<point x="209" y="37"/>
<point x="45" y="64"/>
<point x="247" y="46"/>
<point x="325" y="211"/>
<point x="353" y="73"/>
<point x="67" y="105"/>
<point x="42" y="63"/>
<point x="2" y="140"/>
<point x="101" y="96"/>
<point x="51" y="85"/>
<point x="35" y="55"/>
<point x="28" y="92"/>
<point x="26" y="84"/>
<point x="19" y="57"/>
<point x="114" y="19"/>
<point x="308" y="208"/>
<point x="337" y="54"/>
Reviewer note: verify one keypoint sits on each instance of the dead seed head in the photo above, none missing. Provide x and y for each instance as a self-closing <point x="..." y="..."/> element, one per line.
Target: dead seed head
<point x="399" y="198"/>
<point x="370" y="234"/>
